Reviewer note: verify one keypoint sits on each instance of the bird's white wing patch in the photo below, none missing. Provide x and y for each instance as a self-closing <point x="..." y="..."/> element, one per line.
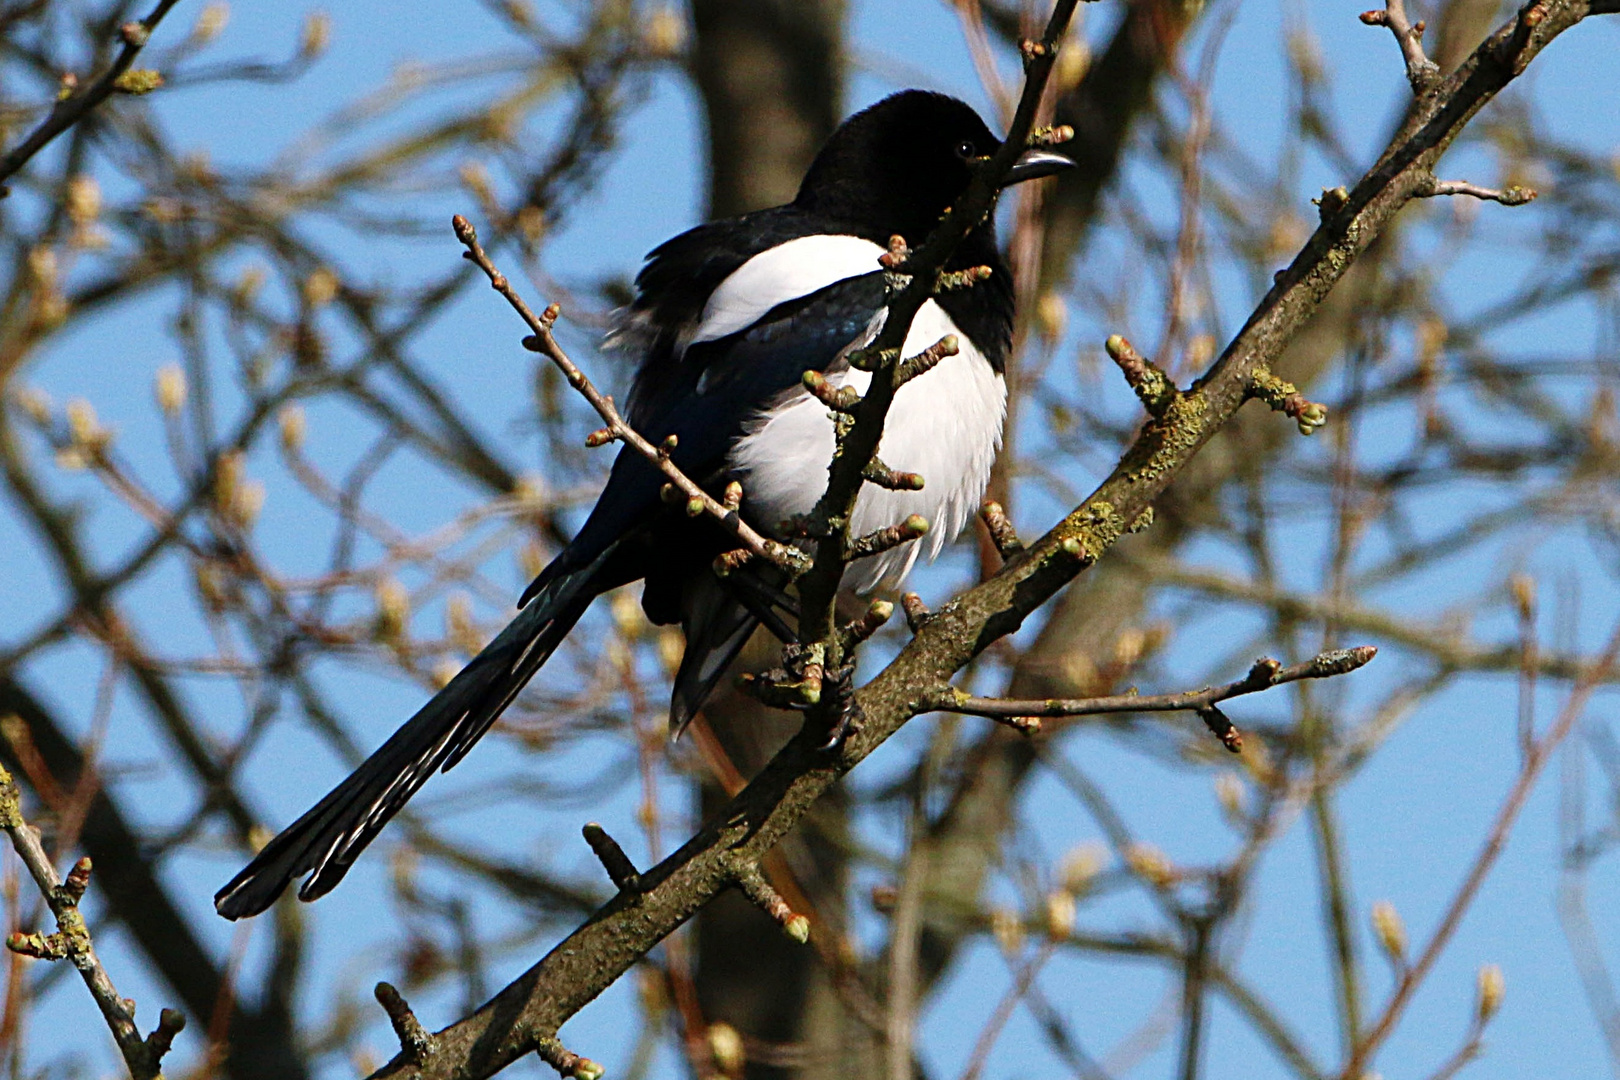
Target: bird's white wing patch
<point x="945" y="425"/>
<point x="782" y="273"/>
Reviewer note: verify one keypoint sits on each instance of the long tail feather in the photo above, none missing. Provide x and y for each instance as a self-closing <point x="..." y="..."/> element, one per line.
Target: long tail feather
<point x="328" y="838"/>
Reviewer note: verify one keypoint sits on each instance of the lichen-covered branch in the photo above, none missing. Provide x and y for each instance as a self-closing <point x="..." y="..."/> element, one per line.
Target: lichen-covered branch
<point x="528" y="1012"/>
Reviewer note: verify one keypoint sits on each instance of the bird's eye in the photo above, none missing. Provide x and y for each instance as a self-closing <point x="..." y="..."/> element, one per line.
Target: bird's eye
<point x="966" y="150"/>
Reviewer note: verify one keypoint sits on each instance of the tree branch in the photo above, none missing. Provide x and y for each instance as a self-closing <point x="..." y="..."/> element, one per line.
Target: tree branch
<point x="73" y="108"/>
<point x="72" y="942"/>
<point x="1265" y="674"/>
<point x="618" y="429"/>
<point x="530" y="1010"/>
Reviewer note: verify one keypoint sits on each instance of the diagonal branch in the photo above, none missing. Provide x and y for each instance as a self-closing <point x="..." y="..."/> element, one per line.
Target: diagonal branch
<point x="75" y="107"/>
<point x="530" y="1010"/>
<point x="619" y="429"/>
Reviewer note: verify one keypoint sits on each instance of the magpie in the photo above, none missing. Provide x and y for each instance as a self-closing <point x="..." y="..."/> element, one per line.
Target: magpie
<point x="727" y="317"/>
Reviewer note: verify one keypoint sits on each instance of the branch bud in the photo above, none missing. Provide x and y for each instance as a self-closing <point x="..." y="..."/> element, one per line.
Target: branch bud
<point x="1390" y="931"/>
<point x="1491" y="988"/>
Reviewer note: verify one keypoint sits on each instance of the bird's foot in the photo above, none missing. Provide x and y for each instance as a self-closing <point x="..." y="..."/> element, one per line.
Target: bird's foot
<point x="847" y="716"/>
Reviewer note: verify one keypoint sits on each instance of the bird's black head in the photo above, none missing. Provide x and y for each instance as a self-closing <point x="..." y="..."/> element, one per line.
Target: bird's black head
<point x="897" y="166"/>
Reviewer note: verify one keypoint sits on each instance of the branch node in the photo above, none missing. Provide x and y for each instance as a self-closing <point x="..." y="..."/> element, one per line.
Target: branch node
<point x="926" y="360"/>
<point x="1153" y="387"/>
<point x="78" y="880"/>
<point x="1421" y="72"/>
<point x="1042" y="138"/>
<point x="950" y="280"/>
<point x="415" y="1042"/>
<point x="1340" y="661"/>
<point x="767" y="899"/>
<point x="1222" y="728"/>
<point x="619" y="868"/>
<point x="842" y="399"/>
<point x="870" y="359"/>
<point x="171" y="1022"/>
<point x="729" y="562"/>
<point x="1331" y="201"/>
<point x="1512" y="195"/>
<point x="1002" y="533"/>
<point x="39" y="946"/>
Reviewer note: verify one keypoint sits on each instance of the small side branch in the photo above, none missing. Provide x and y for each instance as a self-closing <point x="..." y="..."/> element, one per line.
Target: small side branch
<point x="1265" y="674"/>
<point x="619" y="868"/>
<point x="1421" y="72"/>
<point x="1513" y="195"/>
<point x="927" y="360"/>
<point x="857" y="631"/>
<point x="767" y="899"/>
<point x="892" y="536"/>
<point x="566" y="1062"/>
<point x="414" y="1040"/>
<point x="1153" y="387"/>
<point x="1284" y="397"/>
<point x="891" y="479"/>
<point x="1002" y="533"/>
<point x="917" y="613"/>
<point x="71" y="942"/>
<point x="542" y="342"/>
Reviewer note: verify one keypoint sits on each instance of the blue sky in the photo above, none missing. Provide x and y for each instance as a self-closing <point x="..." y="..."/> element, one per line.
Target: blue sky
<point x="1413" y="819"/>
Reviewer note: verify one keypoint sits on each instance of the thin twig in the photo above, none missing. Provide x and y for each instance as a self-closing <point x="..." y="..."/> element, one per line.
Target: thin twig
<point x="73" y="108"/>
<point x="1495" y="841"/>
<point x="1265" y="674"/>
<point x="618" y="428"/>
<point x="71" y="942"/>
<point x="1421" y="72"/>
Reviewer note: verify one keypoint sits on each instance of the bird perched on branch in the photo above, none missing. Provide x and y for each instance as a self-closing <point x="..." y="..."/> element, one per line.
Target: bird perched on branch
<point x="727" y="319"/>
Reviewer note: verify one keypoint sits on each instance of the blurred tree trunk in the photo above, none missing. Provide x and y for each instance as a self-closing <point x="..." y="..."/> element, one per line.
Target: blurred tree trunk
<point x="771" y="76"/>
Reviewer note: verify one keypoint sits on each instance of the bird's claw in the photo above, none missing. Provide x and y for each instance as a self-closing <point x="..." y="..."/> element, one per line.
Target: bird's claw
<point x="846" y="712"/>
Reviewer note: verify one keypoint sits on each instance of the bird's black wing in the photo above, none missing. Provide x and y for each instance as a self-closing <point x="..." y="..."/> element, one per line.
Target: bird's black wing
<point x="674" y="287"/>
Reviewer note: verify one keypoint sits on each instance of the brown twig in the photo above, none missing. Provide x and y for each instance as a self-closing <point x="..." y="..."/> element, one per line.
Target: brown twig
<point x="617" y="428"/>
<point x="1265" y="674"/>
<point x="71" y="942"/>
<point x="1514" y="195"/>
<point x="1361" y="1053"/>
<point x="1421" y="72"/>
<point x="620" y="870"/>
<point x="73" y="108"/>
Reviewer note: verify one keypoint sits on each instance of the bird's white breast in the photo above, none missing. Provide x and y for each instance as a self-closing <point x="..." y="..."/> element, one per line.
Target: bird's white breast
<point x="944" y="425"/>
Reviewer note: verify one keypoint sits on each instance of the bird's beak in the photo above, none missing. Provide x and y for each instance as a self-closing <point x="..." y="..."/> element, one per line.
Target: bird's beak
<point x="1034" y="164"/>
